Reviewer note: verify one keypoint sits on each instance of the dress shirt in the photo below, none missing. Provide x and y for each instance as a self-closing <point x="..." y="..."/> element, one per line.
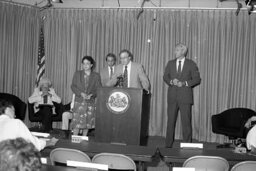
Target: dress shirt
<point x="109" y="71"/>
<point x="182" y="63"/>
<point x="13" y="128"/>
<point x="177" y="66"/>
<point x="128" y="72"/>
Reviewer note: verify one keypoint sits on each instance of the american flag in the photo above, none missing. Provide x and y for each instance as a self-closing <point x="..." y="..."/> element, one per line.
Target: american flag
<point x="41" y="57"/>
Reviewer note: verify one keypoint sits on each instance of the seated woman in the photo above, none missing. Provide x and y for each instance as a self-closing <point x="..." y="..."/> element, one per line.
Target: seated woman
<point x="19" y="155"/>
<point x="44" y="95"/>
<point x="84" y="85"/>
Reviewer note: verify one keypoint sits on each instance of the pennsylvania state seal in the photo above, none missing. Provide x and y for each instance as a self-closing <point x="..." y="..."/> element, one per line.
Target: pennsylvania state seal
<point x="118" y="102"/>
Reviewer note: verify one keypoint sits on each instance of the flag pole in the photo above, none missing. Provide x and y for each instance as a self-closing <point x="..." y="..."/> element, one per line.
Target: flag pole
<point x="41" y="54"/>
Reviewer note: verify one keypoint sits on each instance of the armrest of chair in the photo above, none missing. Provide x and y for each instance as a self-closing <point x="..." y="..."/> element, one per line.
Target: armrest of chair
<point x="23" y="107"/>
<point x="31" y="108"/>
<point x="58" y="107"/>
<point x="31" y="113"/>
<point x="67" y="107"/>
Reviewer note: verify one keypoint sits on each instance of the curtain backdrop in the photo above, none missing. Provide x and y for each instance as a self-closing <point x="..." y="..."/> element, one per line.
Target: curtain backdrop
<point x="18" y="49"/>
<point x="222" y="45"/>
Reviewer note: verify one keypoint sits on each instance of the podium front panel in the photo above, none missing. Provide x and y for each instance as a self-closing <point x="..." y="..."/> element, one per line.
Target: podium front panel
<point x="118" y="115"/>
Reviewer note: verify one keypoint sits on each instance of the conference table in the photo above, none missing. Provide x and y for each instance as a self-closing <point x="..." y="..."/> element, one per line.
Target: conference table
<point x="144" y="154"/>
<point x="176" y="156"/>
<point x="140" y="154"/>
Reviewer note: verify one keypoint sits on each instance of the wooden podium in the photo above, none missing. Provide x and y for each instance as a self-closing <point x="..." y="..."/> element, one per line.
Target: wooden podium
<point x="122" y="116"/>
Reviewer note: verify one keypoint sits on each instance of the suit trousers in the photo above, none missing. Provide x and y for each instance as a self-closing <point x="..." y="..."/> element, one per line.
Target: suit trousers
<point x="185" y="115"/>
<point x="66" y="117"/>
<point x="45" y="114"/>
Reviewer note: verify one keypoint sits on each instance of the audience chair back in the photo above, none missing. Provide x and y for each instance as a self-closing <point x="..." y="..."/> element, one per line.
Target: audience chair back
<point x="19" y="105"/>
<point x="115" y="161"/>
<point x="244" y="166"/>
<point x="62" y="155"/>
<point x="209" y="163"/>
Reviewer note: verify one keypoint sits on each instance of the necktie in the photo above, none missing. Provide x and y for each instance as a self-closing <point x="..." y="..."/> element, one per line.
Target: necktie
<point x="125" y="84"/>
<point x="111" y="72"/>
<point x="179" y="67"/>
<point x="45" y="99"/>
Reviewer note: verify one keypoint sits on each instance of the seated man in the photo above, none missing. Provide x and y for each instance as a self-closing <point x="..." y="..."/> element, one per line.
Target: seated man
<point x="11" y="128"/>
<point x="43" y="98"/>
<point x="19" y="155"/>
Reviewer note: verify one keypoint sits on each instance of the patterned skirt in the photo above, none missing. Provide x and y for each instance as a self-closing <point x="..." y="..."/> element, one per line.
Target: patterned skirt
<point x="83" y="115"/>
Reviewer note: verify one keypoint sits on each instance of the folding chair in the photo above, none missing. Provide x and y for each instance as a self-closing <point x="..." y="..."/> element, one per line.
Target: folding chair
<point x="209" y="163"/>
<point x="115" y="161"/>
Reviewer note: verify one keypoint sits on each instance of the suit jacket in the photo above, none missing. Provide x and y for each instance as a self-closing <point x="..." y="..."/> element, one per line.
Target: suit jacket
<point x="78" y="85"/>
<point x="138" y="77"/>
<point x="189" y="73"/>
<point x="104" y="74"/>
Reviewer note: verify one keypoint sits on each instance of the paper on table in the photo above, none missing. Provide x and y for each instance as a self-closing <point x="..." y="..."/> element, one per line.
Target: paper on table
<point x="40" y="134"/>
<point x="87" y="164"/>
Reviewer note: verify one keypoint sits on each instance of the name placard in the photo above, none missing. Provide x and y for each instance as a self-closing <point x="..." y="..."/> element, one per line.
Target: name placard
<point x="183" y="169"/>
<point x="78" y="139"/>
<point x="191" y="145"/>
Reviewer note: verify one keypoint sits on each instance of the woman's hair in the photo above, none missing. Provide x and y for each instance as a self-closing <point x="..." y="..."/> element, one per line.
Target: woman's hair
<point x="90" y="59"/>
<point x="4" y="104"/>
<point x="19" y="155"/>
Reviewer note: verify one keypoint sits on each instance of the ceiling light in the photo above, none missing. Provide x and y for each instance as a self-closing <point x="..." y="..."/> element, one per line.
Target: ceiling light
<point x="251" y="6"/>
<point x="57" y="1"/>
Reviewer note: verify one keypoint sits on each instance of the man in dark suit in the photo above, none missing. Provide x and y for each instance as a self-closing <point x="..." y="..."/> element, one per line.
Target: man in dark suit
<point x="135" y="74"/>
<point x="181" y="75"/>
<point x="107" y="72"/>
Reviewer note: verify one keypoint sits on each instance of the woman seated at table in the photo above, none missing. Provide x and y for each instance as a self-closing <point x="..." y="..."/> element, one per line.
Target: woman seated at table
<point x="84" y="85"/>
<point x="44" y="95"/>
<point x="19" y="155"/>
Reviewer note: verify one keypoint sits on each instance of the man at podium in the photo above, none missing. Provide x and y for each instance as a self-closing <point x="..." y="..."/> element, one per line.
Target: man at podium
<point x="130" y="73"/>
